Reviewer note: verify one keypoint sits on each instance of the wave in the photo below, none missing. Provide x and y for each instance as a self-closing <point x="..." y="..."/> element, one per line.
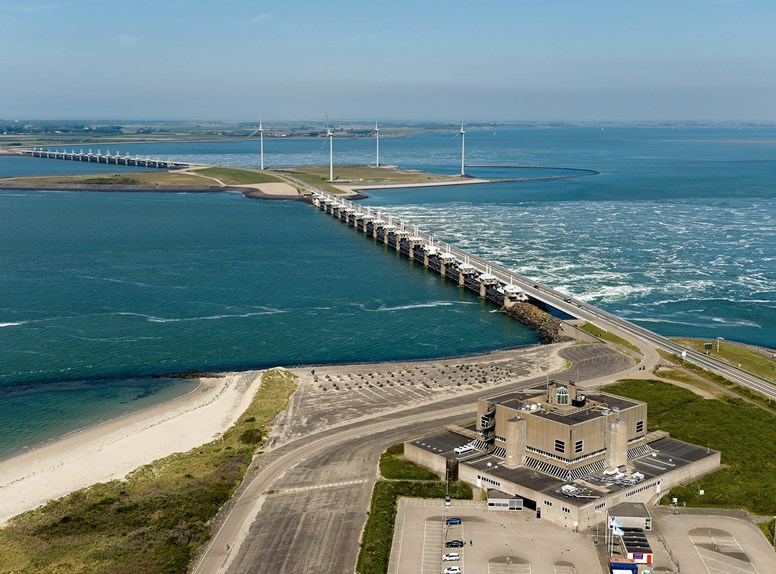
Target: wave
<point x="383" y="308"/>
<point x="14" y="324"/>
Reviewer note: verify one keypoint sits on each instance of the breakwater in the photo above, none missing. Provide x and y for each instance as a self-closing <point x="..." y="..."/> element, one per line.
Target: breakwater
<point x="449" y="262"/>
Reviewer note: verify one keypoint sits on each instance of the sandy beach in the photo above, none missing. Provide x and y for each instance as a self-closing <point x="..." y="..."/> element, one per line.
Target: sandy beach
<point x="113" y="449"/>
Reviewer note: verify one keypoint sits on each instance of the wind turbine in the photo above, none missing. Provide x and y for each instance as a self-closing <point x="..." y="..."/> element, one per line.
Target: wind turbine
<point x="260" y="131"/>
<point x="330" y="135"/>
<point x="462" y="133"/>
<point x="377" y="142"/>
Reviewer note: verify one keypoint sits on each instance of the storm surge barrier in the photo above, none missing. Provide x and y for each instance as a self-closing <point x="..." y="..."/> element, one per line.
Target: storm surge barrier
<point x="107" y="158"/>
<point x="490" y="281"/>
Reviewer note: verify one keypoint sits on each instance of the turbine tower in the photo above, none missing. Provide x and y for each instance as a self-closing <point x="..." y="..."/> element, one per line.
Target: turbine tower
<point x="377" y="142"/>
<point x="260" y="131"/>
<point x="330" y="135"/>
<point x="463" y="149"/>
<point x="261" y="146"/>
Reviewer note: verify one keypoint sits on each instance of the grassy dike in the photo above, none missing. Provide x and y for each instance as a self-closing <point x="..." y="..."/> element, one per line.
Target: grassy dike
<point x="155" y="519"/>
<point x="401" y="478"/>
<point x="607" y="336"/>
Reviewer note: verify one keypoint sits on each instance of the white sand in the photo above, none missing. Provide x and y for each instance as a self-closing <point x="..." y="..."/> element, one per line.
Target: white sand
<point x="113" y="449"/>
<point x="272" y="188"/>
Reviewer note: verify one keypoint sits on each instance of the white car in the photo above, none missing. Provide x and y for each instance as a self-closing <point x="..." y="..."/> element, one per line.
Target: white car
<point x="451" y="557"/>
<point x="452" y="570"/>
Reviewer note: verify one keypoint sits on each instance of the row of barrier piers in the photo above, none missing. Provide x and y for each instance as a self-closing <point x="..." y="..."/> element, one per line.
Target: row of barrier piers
<point x="448" y="261"/>
<point x="107" y="158"/>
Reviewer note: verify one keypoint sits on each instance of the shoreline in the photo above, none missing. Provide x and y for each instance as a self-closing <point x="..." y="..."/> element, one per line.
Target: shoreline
<point x="112" y="449"/>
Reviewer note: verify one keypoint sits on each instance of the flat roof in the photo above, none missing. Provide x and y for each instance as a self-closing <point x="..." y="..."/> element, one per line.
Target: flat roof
<point x="630" y="510"/>
<point x="597" y="404"/>
<point x="669" y="454"/>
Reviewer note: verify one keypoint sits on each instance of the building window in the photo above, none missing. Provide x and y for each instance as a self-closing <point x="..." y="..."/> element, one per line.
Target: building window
<point x="639" y="427"/>
<point x="600" y="506"/>
<point x="566" y="510"/>
<point x="561" y="396"/>
<point x="579" y="446"/>
<point x="547" y="503"/>
<point x="560" y="446"/>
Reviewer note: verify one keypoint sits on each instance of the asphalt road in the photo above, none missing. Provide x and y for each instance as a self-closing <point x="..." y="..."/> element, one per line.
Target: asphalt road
<point x="304" y="508"/>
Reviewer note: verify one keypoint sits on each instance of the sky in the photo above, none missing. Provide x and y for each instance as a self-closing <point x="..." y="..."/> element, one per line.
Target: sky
<point x="499" y="60"/>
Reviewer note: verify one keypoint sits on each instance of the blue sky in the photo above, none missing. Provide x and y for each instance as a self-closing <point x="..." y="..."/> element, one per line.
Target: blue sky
<point x="399" y="59"/>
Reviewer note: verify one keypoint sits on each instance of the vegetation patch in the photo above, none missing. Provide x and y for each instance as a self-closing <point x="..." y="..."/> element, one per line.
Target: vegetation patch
<point x="155" y="519"/>
<point x="611" y="337"/>
<point x="235" y="176"/>
<point x="746" y="392"/>
<point x="734" y="355"/>
<point x="378" y="532"/>
<point x="743" y="433"/>
<point x="393" y="467"/>
<point x="160" y="178"/>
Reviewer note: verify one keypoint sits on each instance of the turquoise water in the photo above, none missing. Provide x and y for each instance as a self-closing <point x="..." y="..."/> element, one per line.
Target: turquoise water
<point x="102" y="290"/>
<point x="102" y="287"/>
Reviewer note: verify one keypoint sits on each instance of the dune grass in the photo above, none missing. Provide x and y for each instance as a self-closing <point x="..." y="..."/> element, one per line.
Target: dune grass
<point x="160" y="178"/>
<point x="154" y="520"/>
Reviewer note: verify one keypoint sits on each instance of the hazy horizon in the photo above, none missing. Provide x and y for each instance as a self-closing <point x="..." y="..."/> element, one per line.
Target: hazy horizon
<point x="699" y="60"/>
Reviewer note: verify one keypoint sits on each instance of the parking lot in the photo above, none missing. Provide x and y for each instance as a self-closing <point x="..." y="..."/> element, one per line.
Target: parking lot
<point x="495" y="542"/>
<point x="712" y="543"/>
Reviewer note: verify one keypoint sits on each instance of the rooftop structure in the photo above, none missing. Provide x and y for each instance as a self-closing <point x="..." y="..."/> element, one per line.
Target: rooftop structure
<point x="570" y="454"/>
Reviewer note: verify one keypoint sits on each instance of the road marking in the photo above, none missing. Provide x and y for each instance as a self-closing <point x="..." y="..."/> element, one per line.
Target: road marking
<point x="398" y="536"/>
<point x="495" y="568"/>
<point x="564" y="569"/>
<point x="432" y="542"/>
<point x="719" y="563"/>
<point x="319" y="486"/>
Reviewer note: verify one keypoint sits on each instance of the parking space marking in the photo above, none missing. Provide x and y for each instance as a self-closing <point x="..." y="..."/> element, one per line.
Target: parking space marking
<point x="432" y="542"/>
<point x="398" y="536"/>
<point x="495" y="568"/>
<point x="718" y="563"/>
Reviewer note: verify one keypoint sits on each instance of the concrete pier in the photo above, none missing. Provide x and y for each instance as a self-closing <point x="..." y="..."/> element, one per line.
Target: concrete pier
<point x="450" y="262"/>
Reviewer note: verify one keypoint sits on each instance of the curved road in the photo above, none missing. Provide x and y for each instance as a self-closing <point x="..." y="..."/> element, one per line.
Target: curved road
<point x="294" y="538"/>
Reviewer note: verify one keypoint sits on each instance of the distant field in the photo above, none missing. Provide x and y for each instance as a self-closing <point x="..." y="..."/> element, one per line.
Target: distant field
<point x="161" y="178"/>
<point x="735" y="355"/>
<point x="235" y="176"/>
<point x="318" y="176"/>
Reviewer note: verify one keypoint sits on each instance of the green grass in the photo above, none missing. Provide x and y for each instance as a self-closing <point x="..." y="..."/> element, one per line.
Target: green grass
<point x="394" y="468"/>
<point x="735" y="355"/>
<point x="155" y="519"/>
<point x="767" y="529"/>
<point x="234" y="176"/>
<point x="740" y="390"/>
<point x="611" y="337"/>
<point x="378" y="532"/>
<point x="743" y="433"/>
<point x="318" y="175"/>
<point x="160" y="178"/>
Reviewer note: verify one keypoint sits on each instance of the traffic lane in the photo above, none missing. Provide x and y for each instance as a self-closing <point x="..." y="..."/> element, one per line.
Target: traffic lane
<point x="309" y="526"/>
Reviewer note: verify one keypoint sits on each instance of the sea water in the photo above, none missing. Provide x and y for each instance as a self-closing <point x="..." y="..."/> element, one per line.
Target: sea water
<point x="100" y="291"/>
<point x="102" y="288"/>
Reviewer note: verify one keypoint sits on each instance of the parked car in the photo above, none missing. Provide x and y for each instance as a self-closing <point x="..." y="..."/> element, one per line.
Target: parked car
<point x="454" y="544"/>
<point x="448" y="500"/>
<point x="452" y="570"/>
<point x="452" y="521"/>
<point x="451" y="557"/>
